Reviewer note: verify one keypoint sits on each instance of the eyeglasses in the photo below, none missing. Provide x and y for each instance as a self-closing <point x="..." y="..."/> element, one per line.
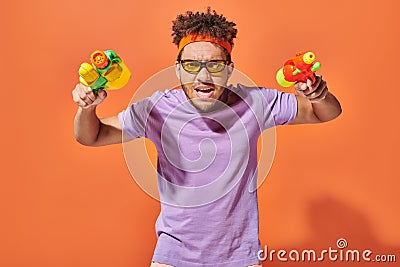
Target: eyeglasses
<point x="194" y="66"/>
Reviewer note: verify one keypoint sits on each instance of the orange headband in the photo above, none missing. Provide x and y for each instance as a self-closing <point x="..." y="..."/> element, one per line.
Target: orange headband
<point x="191" y="38"/>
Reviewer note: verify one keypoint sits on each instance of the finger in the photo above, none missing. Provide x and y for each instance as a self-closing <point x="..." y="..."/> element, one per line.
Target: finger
<point x="81" y="87"/>
<point x="86" y="93"/>
<point x="81" y="103"/>
<point x="309" y="84"/>
<point x="85" y="97"/>
<point x="298" y="90"/>
<point x="102" y="94"/>
<point x="300" y="86"/>
<point x="317" y="91"/>
<point x="78" y="93"/>
<point x="88" y="101"/>
<point x="318" y="86"/>
<point x="320" y="90"/>
<point x="318" y="79"/>
<point x="81" y="92"/>
<point x="90" y="95"/>
<point x="320" y="97"/>
<point x="311" y="87"/>
<point x="88" y="89"/>
<point x="297" y="86"/>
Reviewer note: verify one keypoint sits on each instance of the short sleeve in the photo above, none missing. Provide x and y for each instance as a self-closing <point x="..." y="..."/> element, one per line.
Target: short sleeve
<point x="279" y="107"/>
<point x="133" y="119"/>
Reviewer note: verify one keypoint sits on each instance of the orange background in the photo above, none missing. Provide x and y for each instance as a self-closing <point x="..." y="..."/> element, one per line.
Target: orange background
<point x="63" y="204"/>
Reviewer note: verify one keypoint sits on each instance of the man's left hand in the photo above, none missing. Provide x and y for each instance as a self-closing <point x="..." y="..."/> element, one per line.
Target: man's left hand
<point x="313" y="92"/>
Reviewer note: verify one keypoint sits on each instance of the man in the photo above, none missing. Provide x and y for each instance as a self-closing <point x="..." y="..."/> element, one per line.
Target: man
<point x="209" y="215"/>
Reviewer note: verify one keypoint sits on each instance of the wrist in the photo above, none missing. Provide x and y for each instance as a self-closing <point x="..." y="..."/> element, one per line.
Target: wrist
<point x="89" y="108"/>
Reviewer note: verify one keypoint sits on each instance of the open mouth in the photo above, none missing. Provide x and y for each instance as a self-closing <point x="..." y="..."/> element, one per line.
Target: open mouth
<point x="204" y="91"/>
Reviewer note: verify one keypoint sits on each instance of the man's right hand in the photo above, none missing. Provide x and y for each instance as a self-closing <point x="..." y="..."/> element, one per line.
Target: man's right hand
<point x="85" y="98"/>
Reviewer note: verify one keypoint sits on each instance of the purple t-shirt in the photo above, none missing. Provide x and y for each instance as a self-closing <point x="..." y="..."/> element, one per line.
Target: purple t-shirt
<point x="207" y="172"/>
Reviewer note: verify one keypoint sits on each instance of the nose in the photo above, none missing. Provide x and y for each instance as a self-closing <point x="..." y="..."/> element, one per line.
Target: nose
<point x="203" y="76"/>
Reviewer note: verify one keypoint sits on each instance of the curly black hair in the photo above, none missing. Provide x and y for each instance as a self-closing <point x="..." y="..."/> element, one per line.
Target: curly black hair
<point x="205" y="23"/>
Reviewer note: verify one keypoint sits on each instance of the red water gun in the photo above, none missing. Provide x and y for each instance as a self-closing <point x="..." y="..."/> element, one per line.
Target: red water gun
<point x="298" y="69"/>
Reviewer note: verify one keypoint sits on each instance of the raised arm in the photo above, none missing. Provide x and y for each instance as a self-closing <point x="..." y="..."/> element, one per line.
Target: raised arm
<point x="315" y="103"/>
<point x="89" y="129"/>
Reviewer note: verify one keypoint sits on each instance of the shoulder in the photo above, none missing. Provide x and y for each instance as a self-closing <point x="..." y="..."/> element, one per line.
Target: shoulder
<point x="168" y="96"/>
<point x="257" y="92"/>
<point x="160" y="97"/>
<point x="253" y="89"/>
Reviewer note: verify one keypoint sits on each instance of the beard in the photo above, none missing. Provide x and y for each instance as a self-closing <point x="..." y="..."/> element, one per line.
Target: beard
<point x="205" y="105"/>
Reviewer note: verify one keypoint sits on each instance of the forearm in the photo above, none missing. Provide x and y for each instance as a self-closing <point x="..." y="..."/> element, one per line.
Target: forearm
<point x="86" y="126"/>
<point x="315" y="104"/>
<point x="327" y="109"/>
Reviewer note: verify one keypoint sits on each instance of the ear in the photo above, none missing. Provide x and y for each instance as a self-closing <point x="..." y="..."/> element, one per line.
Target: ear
<point x="177" y="70"/>
<point x="231" y="67"/>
